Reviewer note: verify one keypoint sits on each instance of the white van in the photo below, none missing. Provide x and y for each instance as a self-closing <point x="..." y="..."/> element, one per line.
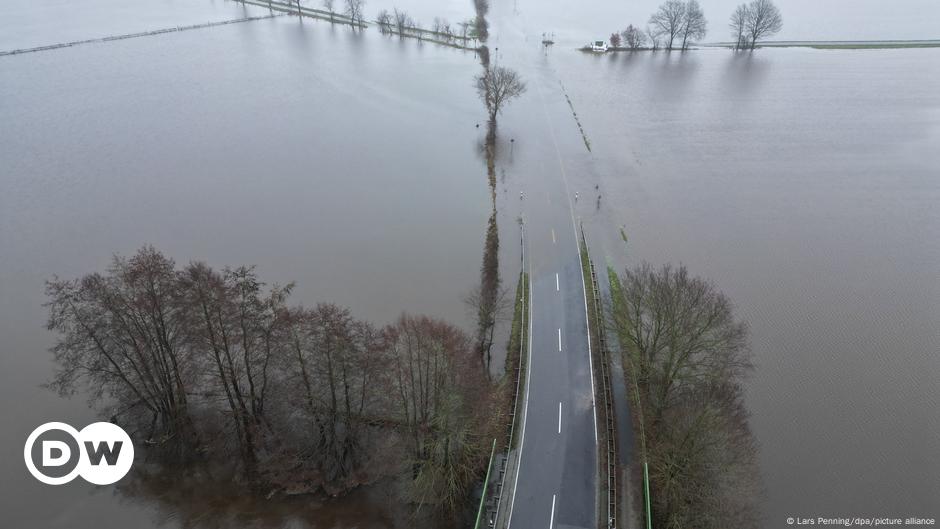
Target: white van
<point x="599" y="46"/>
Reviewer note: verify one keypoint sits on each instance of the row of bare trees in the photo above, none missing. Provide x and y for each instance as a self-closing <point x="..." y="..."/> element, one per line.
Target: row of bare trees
<point x="680" y="21"/>
<point x="684" y="22"/>
<point x="401" y="23"/>
<point x="686" y="357"/>
<point x="352" y="10"/>
<point x="677" y="20"/>
<point x="207" y="365"/>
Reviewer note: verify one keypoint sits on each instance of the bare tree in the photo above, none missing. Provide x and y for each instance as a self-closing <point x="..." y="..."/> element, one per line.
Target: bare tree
<point x="738" y="25"/>
<point x="764" y="20"/>
<point x="220" y="368"/>
<point x="653" y="35"/>
<point x="489" y="300"/>
<point x="402" y="22"/>
<point x="443" y="401"/>
<point x="465" y="28"/>
<point x="615" y="40"/>
<point x="686" y="357"/>
<point x="384" y="21"/>
<point x="121" y="335"/>
<point x="335" y="357"/>
<point x="447" y="30"/>
<point x="634" y="37"/>
<point x="233" y="322"/>
<point x="329" y="5"/>
<point x="694" y="27"/>
<point x="669" y="20"/>
<point x="354" y="11"/>
<point x="497" y="86"/>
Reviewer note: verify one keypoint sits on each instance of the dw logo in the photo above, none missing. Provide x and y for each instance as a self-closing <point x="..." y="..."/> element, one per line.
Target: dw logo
<point x="56" y="453"/>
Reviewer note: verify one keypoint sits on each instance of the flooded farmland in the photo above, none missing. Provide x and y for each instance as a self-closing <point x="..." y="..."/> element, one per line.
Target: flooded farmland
<point x="804" y="183"/>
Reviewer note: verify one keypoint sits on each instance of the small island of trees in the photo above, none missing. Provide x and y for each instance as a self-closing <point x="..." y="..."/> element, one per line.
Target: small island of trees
<point x="677" y="24"/>
<point x="213" y="373"/>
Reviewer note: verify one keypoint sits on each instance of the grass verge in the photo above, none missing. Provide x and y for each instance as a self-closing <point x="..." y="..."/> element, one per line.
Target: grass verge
<point x="518" y="343"/>
<point x="607" y="465"/>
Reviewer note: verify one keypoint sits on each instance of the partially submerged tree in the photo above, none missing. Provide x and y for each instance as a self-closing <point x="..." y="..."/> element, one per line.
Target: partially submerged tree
<point x="686" y="357"/>
<point x="328" y="5"/>
<point x="653" y="35"/>
<point x="337" y="362"/>
<point x="208" y="365"/>
<point x="443" y="403"/>
<point x="763" y="20"/>
<point x="465" y="28"/>
<point x="669" y="20"/>
<point x="121" y="336"/>
<point x="384" y="21"/>
<point x="738" y="25"/>
<point x="694" y="25"/>
<point x="488" y="300"/>
<point x="233" y="325"/>
<point x="634" y="37"/>
<point x="498" y="85"/>
<point x="402" y="22"/>
<point x="354" y="11"/>
<point x="615" y="40"/>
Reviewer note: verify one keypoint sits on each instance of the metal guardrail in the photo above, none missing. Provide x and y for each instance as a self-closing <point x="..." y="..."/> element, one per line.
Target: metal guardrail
<point x="608" y="396"/>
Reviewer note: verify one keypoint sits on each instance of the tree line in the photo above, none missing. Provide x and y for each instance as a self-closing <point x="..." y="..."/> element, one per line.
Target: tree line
<point x="679" y="23"/>
<point x="213" y="367"/>
<point x="686" y="357"/>
<point x="352" y="12"/>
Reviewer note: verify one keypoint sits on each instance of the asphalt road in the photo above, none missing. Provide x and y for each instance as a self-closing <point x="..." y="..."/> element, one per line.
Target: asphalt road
<point x="556" y="483"/>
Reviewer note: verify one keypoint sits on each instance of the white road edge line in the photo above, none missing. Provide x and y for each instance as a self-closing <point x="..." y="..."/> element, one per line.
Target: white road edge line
<point x="553" y="235"/>
<point x="525" y="410"/>
<point x="551" y="521"/>
<point x="559" y="417"/>
<point x="559" y="338"/>
<point x="556" y="282"/>
<point x="574" y="226"/>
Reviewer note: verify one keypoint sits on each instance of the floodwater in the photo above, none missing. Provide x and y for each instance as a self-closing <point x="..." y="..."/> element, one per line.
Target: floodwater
<point x="346" y="162"/>
<point x="804" y="183"/>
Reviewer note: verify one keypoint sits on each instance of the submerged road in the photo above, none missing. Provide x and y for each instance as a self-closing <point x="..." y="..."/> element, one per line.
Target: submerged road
<point x="556" y="480"/>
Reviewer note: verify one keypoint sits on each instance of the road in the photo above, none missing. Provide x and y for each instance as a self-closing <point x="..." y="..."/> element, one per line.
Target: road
<point x="556" y="480"/>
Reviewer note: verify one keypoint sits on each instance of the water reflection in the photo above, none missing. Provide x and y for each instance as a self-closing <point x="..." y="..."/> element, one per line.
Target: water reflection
<point x="249" y="146"/>
<point x="745" y="73"/>
<point x="803" y="184"/>
<point x="191" y="501"/>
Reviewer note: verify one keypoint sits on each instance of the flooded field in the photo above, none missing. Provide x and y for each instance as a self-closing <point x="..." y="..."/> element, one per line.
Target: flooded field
<point x="804" y="183"/>
<point x="318" y="154"/>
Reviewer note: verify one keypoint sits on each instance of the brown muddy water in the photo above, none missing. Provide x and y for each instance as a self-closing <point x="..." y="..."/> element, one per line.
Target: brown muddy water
<point x="346" y="162"/>
<point x="804" y="183"/>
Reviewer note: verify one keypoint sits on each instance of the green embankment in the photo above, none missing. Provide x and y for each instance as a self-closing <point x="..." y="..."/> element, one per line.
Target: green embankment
<point x="518" y="337"/>
<point x="617" y="299"/>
